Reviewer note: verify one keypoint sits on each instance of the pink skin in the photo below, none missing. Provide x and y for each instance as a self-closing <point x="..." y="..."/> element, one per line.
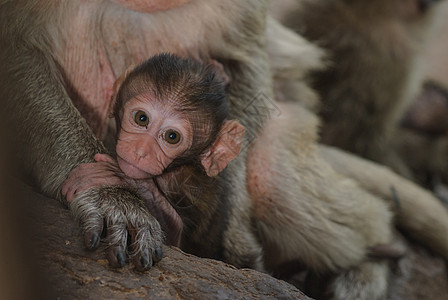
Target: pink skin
<point x="149" y="6"/>
<point x="142" y="151"/>
<point x="105" y="171"/>
<point x="429" y="113"/>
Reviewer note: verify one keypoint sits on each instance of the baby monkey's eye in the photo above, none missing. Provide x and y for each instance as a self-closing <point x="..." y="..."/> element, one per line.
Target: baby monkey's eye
<point x="172" y="136"/>
<point x="141" y="119"/>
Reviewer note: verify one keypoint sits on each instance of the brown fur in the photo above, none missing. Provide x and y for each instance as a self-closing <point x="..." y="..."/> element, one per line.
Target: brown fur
<point x="195" y="196"/>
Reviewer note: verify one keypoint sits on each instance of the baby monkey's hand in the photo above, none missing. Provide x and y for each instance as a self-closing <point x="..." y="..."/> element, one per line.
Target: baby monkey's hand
<point x="102" y="197"/>
<point x="104" y="172"/>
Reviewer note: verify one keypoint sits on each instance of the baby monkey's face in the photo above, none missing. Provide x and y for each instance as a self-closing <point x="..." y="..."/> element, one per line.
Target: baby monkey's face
<point x="152" y="135"/>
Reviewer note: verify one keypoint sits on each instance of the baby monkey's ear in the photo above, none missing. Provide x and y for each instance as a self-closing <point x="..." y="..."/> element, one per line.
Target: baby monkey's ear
<point x="116" y="87"/>
<point x="226" y="147"/>
<point x="219" y="71"/>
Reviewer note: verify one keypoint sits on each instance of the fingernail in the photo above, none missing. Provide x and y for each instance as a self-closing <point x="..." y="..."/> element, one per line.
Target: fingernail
<point x="94" y="241"/>
<point x="144" y="261"/>
<point x="159" y="253"/>
<point x="120" y="259"/>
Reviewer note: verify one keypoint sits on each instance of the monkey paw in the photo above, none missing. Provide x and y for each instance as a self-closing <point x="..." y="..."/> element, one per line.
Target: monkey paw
<point x="122" y="215"/>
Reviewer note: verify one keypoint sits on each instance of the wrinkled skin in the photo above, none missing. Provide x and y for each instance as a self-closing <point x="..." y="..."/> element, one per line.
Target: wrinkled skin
<point x="150" y="6"/>
<point x="142" y="151"/>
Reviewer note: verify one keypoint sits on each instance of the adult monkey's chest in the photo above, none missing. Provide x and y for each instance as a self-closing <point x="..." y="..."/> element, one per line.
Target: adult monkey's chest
<point x="105" y="39"/>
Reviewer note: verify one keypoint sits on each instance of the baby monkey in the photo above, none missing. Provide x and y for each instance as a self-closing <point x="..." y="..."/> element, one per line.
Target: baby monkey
<point x="173" y="138"/>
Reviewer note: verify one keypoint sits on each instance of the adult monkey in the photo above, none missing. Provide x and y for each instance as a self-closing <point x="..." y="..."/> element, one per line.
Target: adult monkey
<point x="375" y="51"/>
<point x="56" y="54"/>
<point x="306" y="176"/>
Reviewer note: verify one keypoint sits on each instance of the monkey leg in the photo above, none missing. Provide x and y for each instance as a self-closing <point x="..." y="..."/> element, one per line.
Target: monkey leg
<point x="417" y="211"/>
<point x="303" y="210"/>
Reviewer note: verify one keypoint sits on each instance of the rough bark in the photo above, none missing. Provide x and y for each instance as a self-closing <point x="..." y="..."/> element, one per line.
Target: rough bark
<point x="73" y="272"/>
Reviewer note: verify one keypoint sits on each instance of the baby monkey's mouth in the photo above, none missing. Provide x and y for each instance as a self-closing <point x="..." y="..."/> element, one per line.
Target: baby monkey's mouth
<point x="131" y="170"/>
